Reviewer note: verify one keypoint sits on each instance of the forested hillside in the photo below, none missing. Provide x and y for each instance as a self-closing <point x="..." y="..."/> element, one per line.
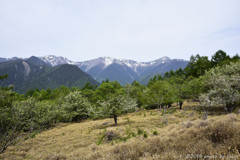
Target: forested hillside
<point x="34" y="73"/>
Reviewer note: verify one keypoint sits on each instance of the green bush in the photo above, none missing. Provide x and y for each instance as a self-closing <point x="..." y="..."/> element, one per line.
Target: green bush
<point x="155" y="133"/>
<point x="140" y="131"/>
<point x="145" y="135"/>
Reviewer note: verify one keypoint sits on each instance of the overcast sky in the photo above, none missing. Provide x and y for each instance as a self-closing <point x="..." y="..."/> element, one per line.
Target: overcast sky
<point x="141" y="30"/>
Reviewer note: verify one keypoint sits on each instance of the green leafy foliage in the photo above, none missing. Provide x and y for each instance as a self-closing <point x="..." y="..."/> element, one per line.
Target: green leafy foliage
<point x="20" y="116"/>
<point x="104" y="90"/>
<point x="220" y="57"/>
<point x="114" y="105"/>
<point x="158" y="94"/>
<point x="197" y="66"/>
<point x="75" y="107"/>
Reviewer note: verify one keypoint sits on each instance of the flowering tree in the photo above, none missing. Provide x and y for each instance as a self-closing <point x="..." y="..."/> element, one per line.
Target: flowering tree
<point x="75" y="107"/>
<point x="223" y="85"/>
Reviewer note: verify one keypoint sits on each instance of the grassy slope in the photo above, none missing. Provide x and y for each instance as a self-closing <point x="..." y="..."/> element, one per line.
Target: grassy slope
<point x="184" y="134"/>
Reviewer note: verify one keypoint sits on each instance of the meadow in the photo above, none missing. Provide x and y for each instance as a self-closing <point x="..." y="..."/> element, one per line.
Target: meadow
<point x="143" y="134"/>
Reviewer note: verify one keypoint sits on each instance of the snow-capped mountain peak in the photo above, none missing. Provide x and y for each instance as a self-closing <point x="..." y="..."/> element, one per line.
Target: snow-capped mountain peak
<point x="108" y="61"/>
<point x="162" y="60"/>
<point x="54" y="60"/>
<point x="104" y="62"/>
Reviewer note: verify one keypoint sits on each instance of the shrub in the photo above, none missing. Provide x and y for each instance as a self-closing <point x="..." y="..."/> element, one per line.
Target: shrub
<point x="155" y="133"/>
<point x="220" y="132"/>
<point x="110" y="135"/>
<point x="140" y="131"/>
<point x="33" y="135"/>
<point x="203" y="123"/>
<point x="232" y="118"/>
<point x="187" y="124"/>
<point x="145" y="135"/>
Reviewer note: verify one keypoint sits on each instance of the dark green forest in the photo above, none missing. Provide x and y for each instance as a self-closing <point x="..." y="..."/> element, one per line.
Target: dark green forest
<point x="209" y="80"/>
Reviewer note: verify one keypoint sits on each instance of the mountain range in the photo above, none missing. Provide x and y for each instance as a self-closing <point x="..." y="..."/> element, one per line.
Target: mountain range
<point x="34" y="73"/>
<point x="122" y="70"/>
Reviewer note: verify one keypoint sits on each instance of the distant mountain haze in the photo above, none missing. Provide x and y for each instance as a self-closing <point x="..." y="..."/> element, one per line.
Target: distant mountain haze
<point x="122" y="70"/>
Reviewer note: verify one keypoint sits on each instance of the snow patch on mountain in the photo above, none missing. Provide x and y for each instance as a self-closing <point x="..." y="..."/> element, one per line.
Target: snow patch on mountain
<point x="55" y="61"/>
<point x="138" y="67"/>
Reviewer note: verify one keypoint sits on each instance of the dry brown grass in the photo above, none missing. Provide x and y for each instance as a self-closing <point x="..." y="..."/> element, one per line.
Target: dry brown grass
<point x="185" y="135"/>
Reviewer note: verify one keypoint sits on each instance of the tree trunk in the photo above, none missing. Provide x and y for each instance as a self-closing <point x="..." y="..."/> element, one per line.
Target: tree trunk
<point x="180" y="104"/>
<point x="169" y="105"/>
<point x="115" y="120"/>
<point x="230" y="107"/>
